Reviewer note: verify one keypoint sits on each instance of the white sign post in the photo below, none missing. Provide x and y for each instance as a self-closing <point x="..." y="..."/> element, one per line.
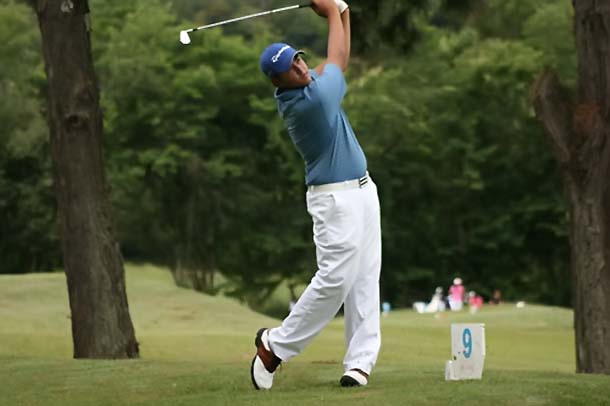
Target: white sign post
<point x="468" y="352"/>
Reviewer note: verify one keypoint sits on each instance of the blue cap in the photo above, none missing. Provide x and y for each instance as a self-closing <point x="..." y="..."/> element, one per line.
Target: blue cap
<point x="277" y="58"/>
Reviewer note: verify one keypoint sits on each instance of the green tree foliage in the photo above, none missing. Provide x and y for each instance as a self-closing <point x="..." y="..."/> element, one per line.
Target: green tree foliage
<point x="28" y="239"/>
<point x="384" y="27"/>
<point x="559" y="51"/>
<point x="466" y="183"/>
<point x="508" y="18"/>
<point x="194" y="169"/>
<point x="205" y="178"/>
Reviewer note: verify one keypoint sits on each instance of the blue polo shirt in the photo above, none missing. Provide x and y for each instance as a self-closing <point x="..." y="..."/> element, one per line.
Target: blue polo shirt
<point x="320" y="129"/>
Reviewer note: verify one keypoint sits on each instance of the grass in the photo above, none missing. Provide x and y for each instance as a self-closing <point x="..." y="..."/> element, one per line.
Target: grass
<point x="196" y="350"/>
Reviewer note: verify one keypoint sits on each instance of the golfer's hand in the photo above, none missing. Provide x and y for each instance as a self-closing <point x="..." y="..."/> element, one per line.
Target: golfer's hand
<point x="342" y="5"/>
<point x="324" y="7"/>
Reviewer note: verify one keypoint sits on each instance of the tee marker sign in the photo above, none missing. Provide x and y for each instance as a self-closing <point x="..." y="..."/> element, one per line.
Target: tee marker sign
<point x="467" y="352"/>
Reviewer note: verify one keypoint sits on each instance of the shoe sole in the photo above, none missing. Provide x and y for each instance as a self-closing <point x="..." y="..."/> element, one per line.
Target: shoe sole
<point x="252" y="374"/>
<point x="348" y="381"/>
<point x="257" y="342"/>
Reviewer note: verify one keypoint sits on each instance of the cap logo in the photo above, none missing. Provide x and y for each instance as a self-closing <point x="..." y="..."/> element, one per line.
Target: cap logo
<point x="276" y="57"/>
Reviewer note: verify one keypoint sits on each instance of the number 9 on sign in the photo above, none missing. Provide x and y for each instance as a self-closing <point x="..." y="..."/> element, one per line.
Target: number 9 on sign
<point x="467" y="341"/>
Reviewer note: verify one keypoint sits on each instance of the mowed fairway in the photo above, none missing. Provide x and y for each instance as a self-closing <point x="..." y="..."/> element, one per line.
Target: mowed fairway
<point x="196" y="350"/>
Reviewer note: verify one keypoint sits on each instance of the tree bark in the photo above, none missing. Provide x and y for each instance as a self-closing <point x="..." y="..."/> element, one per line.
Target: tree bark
<point x="579" y="133"/>
<point x="101" y="324"/>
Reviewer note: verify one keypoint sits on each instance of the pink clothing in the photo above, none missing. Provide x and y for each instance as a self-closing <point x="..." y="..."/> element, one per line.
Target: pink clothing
<point x="456" y="292"/>
<point x="475" y="301"/>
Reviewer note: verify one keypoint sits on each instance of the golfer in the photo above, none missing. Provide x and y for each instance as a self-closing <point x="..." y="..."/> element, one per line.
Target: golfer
<point x="343" y="204"/>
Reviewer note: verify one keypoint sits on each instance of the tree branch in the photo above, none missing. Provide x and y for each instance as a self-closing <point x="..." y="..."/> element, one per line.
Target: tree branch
<point x="554" y="111"/>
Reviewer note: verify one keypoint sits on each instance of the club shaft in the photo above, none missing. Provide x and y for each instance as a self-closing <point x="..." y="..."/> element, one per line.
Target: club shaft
<point x="277" y="10"/>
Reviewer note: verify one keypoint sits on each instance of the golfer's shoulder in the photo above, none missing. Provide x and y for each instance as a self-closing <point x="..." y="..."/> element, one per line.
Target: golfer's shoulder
<point x="328" y="72"/>
<point x="295" y="102"/>
<point x="329" y="82"/>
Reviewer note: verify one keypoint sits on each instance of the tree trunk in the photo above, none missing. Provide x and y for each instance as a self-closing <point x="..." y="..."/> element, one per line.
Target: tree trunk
<point x="591" y="282"/>
<point x="101" y="324"/>
<point x="579" y="133"/>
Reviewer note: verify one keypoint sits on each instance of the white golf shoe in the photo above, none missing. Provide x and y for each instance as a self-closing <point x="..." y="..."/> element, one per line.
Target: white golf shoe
<point x="265" y="362"/>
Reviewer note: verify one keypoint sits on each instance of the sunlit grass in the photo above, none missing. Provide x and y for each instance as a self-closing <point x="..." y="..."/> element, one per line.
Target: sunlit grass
<point x="196" y="350"/>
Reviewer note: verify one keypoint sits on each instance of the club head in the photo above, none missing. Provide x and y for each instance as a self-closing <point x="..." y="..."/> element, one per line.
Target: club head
<point x="184" y="38"/>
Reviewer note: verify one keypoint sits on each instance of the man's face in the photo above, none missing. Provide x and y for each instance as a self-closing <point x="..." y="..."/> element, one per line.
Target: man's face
<point x="297" y="76"/>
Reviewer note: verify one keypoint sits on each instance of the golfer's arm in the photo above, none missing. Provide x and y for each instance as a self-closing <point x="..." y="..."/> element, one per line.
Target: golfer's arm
<point x="336" y="42"/>
<point x="347" y="34"/>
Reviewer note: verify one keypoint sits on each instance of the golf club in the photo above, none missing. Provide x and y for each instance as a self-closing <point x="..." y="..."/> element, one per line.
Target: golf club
<point x="184" y="34"/>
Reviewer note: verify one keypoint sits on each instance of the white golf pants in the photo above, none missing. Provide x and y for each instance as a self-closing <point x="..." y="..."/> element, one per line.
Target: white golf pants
<point x="347" y="235"/>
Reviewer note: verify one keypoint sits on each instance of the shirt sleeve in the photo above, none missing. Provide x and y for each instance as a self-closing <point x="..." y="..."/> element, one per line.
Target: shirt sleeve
<point x="332" y="87"/>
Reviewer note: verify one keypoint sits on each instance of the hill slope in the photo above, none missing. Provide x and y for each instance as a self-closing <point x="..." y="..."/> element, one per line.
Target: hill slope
<point x="170" y="322"/>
